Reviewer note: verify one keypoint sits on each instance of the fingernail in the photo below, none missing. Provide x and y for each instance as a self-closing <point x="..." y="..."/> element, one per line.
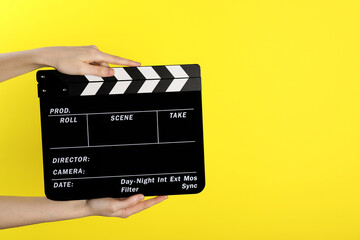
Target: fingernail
<point x="166" y="197"/>
<point x="110" y="71"/>
<point x="140" y="197"/>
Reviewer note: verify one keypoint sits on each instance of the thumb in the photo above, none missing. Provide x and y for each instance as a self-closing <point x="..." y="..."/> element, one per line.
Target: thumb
<point x="130" y="201"/>
<point x="101" y="71"/>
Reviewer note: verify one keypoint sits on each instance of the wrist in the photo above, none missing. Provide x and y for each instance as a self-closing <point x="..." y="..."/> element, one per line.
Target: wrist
<point x="41" y="57"/>
<point x="81" y="208"/>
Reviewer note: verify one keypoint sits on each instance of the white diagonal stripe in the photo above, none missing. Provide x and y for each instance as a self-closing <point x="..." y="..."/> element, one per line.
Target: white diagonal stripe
<point x="121" y="74"/>
<point x="177" y="71"/>
<point x="93" y="78"/>
<point x="149" y="73"/>
<point x="148" y="86"/>
<point x="177" y="84"/>
<point x="91" y="89"/>
<point x="120" y="87"/>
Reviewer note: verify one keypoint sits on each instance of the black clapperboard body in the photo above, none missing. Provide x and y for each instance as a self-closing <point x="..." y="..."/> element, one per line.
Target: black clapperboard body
<point x="139" y="131"/>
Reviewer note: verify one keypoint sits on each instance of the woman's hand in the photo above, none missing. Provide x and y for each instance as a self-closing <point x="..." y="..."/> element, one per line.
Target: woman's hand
<point x="87" y="60"/>
<point x="123" y="207"/>
<point x="20" y="211"/>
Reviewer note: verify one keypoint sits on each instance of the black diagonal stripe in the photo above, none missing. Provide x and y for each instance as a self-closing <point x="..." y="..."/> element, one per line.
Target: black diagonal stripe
<point x="163" y="85"/>
<point x="134" y="86"/>
<point x="72" y="78"/>
<point x="77" y="88"/>
<point x="193" y="70"/>
<point x="163" y="72"/>
<point x="44" y="76"/>
<point x="134" y="73"/>
<point x="109" y="83"/>
<point x="192" y="84"/>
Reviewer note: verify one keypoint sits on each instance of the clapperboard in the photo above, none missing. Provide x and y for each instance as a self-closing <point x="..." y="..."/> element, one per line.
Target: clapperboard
<point x="139" y="131"/>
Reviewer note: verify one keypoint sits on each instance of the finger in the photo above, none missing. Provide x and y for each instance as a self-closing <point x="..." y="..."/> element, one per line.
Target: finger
<point x="130" y="201"/>
<point x="142" y="206"/>
<point x="103" y="64"/>
<point x="101" y="71"/>
<point x="117" y="60"/>
<point x="92" y="46"/>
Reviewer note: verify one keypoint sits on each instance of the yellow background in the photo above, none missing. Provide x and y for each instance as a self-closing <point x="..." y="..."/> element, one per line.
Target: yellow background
<point x="280" y="102"/>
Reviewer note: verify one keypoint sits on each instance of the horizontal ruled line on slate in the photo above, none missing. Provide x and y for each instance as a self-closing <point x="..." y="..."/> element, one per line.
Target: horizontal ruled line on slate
<point x="161" y="110"/>
<point x="152" y="174"/>
<point x="119" y="145"/>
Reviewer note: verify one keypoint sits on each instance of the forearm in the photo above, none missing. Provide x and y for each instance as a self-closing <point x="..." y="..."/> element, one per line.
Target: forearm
<point x="17" y="63"/>
<point x="19" y="211"/>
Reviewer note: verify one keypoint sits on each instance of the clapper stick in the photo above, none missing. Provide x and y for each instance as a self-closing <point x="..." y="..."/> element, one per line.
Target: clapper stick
<point x="139" y="131"/>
